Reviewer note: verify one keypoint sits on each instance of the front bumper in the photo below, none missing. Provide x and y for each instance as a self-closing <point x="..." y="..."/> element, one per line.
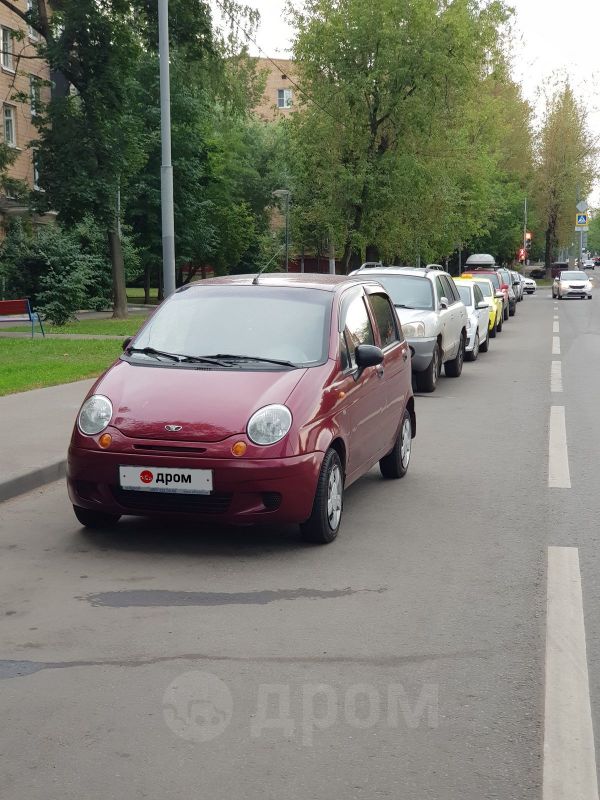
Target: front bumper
<point x="245" y="491"/>
<point x="422" y="352"/>
<point x="470" y="343"/>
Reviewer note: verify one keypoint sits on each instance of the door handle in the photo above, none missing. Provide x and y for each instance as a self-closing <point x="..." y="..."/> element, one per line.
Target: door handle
<point x="380" y="370"/>
<point x="405" y="356"/>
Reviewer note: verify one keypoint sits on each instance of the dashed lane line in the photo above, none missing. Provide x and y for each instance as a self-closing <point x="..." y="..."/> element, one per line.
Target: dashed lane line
<point x="559" y="476"/>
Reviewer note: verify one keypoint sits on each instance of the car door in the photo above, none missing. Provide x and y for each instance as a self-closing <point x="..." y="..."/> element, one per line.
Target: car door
<point x="445" y="317"/>
<point x="455" y="316"/>
<point x="483" y="315"/>
<point x="396" y="363"/>
<point x="365" y="391"/>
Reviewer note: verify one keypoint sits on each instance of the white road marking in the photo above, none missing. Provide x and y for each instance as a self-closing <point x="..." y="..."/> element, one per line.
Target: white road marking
<point x="569" y="755"/>
<point x="556" y="384"/>
<point x="559" y="476"/>
<point x="556" y="328"/>
<point x="556" y="345"/>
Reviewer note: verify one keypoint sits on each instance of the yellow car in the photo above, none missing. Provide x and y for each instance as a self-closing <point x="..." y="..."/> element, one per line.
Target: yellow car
<point x="494" y="299"/>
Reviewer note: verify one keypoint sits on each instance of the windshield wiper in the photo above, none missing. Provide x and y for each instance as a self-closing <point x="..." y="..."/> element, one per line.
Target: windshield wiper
<point x="180" y="358"/>
<point x="279" y="362"/>
<point x="410" y="308"/>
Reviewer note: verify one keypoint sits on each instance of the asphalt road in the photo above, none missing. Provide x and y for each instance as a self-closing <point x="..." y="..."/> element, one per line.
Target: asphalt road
<point x="407" y="660"/>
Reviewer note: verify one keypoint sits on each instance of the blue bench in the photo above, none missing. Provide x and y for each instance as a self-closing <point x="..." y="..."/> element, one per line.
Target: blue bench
<point x="21" y="310"/>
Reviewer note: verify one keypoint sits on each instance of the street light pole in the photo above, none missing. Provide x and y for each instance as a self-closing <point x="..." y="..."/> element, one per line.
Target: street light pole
<point x="166" y="172"/>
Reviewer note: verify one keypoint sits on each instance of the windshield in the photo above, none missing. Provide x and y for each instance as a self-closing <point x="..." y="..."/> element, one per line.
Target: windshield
<point x="465" y="294"/>
<point x="573" y="276"/>
<point x="265" y="323"/>
<point x="486" y="289"/>
<point x="408" y="291"/>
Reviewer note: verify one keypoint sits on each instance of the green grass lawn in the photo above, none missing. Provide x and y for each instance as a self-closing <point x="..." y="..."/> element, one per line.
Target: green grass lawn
<point x="94" y="327"/>
<point x="136" y="295"/>
<point x="32" y="364"/>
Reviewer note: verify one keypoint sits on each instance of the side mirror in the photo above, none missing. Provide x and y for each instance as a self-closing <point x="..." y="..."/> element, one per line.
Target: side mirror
<point x="444" y="302"/>
<point x="367" y="355"/>
<point x="499" y="296"/>
<point x="127" y="342"/>
<point x="482" y="304"/>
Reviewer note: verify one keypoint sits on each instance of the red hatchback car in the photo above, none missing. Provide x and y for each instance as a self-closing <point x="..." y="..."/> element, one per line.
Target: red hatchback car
<point x="248" y="400"/>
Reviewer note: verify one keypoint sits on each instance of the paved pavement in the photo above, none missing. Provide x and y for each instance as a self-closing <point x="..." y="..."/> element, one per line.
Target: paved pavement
<point x="35" y="428"/>
<point x="407" y="660"/>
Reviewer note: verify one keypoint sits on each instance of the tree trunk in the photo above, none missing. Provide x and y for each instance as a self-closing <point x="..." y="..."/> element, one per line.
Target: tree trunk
<point x="372" y="253"/>
<point x="118" y="275"/>
<point x="550" y="240"/>
<point x="147" y="276"/>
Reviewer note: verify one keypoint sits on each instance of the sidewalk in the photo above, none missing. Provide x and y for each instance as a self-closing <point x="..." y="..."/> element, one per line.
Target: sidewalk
<point x="35" y="429"/>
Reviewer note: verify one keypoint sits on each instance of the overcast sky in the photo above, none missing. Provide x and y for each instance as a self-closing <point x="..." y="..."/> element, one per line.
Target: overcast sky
<point x="551" y="38"/>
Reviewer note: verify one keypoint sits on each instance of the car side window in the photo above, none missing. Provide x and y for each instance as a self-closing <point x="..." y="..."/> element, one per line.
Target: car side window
<point x="449" y="290"/>
<point x="385" y="319"/>
<point x="358" y="328"/>
<point x="478" y="295"/>
<point x="439" y="289"/>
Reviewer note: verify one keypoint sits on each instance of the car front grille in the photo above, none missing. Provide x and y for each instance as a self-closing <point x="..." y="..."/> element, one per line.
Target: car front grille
<point x="216" y="503"/>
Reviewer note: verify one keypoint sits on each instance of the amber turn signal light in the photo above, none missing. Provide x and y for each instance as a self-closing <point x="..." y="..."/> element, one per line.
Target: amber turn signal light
<point x="239" y="449"/>
<point x="105" y="440"/>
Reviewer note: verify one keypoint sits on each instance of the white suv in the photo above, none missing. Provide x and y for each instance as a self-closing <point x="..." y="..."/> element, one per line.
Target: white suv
<point x="433" y="318"/>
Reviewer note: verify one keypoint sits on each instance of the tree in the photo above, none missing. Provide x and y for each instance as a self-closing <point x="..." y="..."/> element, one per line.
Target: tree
<point x="565" y="170"/>
<point x="387" y="151"/>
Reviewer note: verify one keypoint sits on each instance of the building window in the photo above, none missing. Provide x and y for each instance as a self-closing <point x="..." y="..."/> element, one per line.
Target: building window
<point x="36" y="171"/>
<point x="31" y="32"/>
<point x="284" y="98"/>
<point x="35" y="96"/>
<point x="10" y="134"/>
<point x="7" y="49"/>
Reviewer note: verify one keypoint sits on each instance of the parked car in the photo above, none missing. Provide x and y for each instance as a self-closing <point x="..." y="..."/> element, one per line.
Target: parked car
<point x="478" y="336"/>
<point x="506" y="282"/>
<point x="495" y="299"/>
<point x="538" y="272"/>
<point x="517" y="282"/>
<point x="499" y="286"/>
<point x="574" y="283"/>
<point x="434" y="320"/>
<point x="248" y="400"/>
<point x="529" y="285"/>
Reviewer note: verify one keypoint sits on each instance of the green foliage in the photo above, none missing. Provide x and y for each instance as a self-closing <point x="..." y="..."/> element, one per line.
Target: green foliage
<point x="60" y="270"/>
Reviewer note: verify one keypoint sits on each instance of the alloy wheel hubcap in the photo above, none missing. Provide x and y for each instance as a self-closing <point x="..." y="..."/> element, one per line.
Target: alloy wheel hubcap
<point x="334" y="498"/>
<point x="406" y="444"/>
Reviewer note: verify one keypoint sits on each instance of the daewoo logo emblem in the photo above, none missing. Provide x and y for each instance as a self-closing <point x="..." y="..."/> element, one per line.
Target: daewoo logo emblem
<point x="173" y="428"/>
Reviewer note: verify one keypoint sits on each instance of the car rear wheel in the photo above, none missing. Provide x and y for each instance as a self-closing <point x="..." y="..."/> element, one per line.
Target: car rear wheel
<point x="427" y="381"/>
<point x="512" y="311"/>
<point x="95" y="519"/>
<point x="454" y="367"/>
<point x="324" y="522"/>
<point x="395" y="464"/>
<point x="472" y="355"/>
<point x="505" y="313"/>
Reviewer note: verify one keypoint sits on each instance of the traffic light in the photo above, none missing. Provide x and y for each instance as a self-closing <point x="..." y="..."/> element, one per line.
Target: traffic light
<point x="528" y="238"/>
<point x="522" y="255"/>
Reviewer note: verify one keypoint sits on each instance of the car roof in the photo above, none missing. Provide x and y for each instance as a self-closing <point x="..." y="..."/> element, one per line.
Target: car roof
<point x="283" y="280"/>
<point x="419" y="272"/>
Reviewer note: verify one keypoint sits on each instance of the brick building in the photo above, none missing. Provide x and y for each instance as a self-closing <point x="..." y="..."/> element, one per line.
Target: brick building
<point x="24" y="86"/>
<point x="280" y="96"/>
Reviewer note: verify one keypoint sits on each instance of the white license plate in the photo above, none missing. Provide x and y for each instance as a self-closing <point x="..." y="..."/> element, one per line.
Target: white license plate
<point x="166" y="479"/>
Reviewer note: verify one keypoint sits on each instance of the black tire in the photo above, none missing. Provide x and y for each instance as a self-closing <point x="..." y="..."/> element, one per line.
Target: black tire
<point x="512" y="311"/>
<point x="500" y="324"/>
<point x="590" y="297"/>
<point x="427" y="381"/>
<point x="472" y="356"/>
<point x="454" y="368"/>
<point x="505" y="314"/>
<point x="395" y="464"/>
<point x="485" y="346"/>
<point x="95" y="519"/>
<point x="320" y="527"/>
<point x="494" y="330"/>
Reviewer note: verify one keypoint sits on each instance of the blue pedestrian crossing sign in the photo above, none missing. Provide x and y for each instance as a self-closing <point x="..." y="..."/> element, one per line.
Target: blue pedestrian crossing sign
<point x="582" y="219"/>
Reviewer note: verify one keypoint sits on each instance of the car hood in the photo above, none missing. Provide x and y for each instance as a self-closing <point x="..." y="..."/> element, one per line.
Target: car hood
<point x="416" y="315"/>
<point x="210" y="405"/>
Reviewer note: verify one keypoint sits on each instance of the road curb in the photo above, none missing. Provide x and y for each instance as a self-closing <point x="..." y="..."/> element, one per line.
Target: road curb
<point x="32" y="480"/>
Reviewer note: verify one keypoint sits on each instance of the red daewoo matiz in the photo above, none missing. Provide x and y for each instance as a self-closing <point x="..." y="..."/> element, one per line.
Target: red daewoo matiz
<point x="248" y="400"/>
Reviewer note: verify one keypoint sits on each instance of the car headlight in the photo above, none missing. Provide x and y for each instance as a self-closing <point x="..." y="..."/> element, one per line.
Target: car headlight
<point x="413" y="330"/>
<point x="95" y="415"/>
<point x="269" y="425"/>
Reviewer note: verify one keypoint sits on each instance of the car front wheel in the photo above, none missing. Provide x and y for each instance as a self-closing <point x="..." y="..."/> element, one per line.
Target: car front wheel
<point x="95" y="519"/>
<point x="427" y="381"/>
<point x="324" y="522"/>
<point x="395" y="464"/>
